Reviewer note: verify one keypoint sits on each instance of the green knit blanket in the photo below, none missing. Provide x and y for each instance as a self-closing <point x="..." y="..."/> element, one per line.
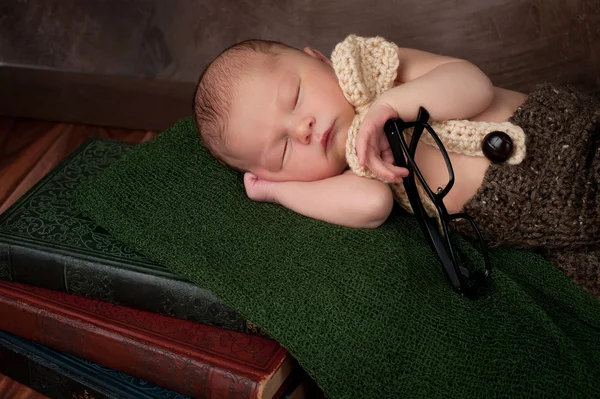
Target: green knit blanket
<point x="368" y="313"/>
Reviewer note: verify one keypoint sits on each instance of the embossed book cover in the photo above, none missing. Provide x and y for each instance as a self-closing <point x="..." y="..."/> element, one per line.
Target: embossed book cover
<point x="46" y="242"/>
<point x="193" y="359"/>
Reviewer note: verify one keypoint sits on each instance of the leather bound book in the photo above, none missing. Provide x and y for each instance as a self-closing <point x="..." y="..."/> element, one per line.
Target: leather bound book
<point x="46" y="242"/>
<point x="62" y="376"/>
<point x="194" y="359"/>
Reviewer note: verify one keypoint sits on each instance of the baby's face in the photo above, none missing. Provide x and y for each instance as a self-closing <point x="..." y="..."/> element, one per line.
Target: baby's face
<point x="290" y="123"/>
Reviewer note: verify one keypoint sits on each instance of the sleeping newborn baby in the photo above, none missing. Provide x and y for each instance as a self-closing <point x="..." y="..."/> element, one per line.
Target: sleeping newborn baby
<point x="307" y="132"/>
<point x="278" y="114"/>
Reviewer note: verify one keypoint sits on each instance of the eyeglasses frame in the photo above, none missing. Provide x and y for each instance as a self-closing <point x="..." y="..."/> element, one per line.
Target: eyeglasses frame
<point x="462" y="280"/>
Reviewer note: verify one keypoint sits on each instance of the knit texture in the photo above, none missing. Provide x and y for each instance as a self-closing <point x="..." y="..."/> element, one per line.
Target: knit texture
<point x="368" y="313"/>
<point x="550" y="202"/>
<point x="367" y="67"/>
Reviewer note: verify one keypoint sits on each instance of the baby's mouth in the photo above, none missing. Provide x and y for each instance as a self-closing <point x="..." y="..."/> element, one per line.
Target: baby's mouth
<point x="327" y="136"/>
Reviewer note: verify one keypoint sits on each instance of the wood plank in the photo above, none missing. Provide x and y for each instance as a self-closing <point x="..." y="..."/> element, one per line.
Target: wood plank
<point x="96" y="99"/>
<point x="30" y="149"/>
<point x="136" y="65"/>
<point x="175" y="40"/>
<point x="11" y="389"/>
<point x="21" y="151"/>
<point x="47" y="161"/>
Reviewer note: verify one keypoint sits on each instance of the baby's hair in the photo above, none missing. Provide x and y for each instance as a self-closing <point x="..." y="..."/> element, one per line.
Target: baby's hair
<point x="216" y="86"/>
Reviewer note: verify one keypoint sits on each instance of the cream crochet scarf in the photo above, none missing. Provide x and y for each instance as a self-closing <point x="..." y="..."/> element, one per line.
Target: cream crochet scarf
<point x="367" y="67"/>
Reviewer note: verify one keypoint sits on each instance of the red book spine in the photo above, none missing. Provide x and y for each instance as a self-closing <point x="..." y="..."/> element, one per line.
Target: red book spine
<point x="191" y="358"/>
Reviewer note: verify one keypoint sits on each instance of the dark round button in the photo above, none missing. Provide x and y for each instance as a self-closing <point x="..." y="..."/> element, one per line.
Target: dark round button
<point x="497" y="146"/>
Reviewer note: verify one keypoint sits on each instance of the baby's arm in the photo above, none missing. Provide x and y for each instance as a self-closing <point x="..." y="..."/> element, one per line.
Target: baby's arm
<point x="449" y="88"/>
<point x="346" y="200"/>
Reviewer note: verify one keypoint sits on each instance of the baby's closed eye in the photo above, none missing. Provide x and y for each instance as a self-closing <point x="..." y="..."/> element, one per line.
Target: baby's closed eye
<point x="297" y="96"/>
<point x="285" y="150"/>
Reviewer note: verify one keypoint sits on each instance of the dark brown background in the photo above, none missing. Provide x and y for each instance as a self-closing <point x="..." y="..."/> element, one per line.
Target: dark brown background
<point x="133" y="63"/>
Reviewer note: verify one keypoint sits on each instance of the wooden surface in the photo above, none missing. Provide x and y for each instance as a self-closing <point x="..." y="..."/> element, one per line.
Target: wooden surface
<point x="76" y="49"/>
<point x="28" y="150"/>
<point x="515" y="41"/>
<point x="10" y="389"/>
<point x="97" y="99"/>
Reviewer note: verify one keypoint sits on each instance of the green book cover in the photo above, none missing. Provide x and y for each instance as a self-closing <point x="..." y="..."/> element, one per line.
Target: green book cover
<point x="46" y="242"/>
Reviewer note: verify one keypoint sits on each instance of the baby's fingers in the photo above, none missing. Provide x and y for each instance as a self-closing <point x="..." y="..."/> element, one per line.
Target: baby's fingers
<point x="371" y="130"/>
<point x="249" y="179"/>
<point x="366" y="144"/>
<point x="388" y="160"/>
<point x="384" y="170"/>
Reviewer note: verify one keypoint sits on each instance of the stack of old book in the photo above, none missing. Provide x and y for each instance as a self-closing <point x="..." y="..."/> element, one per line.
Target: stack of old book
<point x="84" y="316"/>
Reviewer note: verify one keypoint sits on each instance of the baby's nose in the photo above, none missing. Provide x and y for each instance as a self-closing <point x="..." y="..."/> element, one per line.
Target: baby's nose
<point x="304" y="128"/>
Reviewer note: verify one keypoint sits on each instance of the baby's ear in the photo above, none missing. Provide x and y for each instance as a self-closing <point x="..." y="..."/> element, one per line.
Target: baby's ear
<point x="317" y="54"/>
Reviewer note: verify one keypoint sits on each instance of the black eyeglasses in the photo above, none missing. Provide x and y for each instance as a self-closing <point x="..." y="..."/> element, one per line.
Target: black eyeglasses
<point x="463" y="269"/>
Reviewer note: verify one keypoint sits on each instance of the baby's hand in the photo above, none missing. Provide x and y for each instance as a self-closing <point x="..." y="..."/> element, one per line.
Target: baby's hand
<point x="373" y="148"/>
<point x="258" y="189"/>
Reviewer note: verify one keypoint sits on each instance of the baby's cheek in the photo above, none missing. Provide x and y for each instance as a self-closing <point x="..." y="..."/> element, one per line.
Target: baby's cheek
<point x="329" y="170"/>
